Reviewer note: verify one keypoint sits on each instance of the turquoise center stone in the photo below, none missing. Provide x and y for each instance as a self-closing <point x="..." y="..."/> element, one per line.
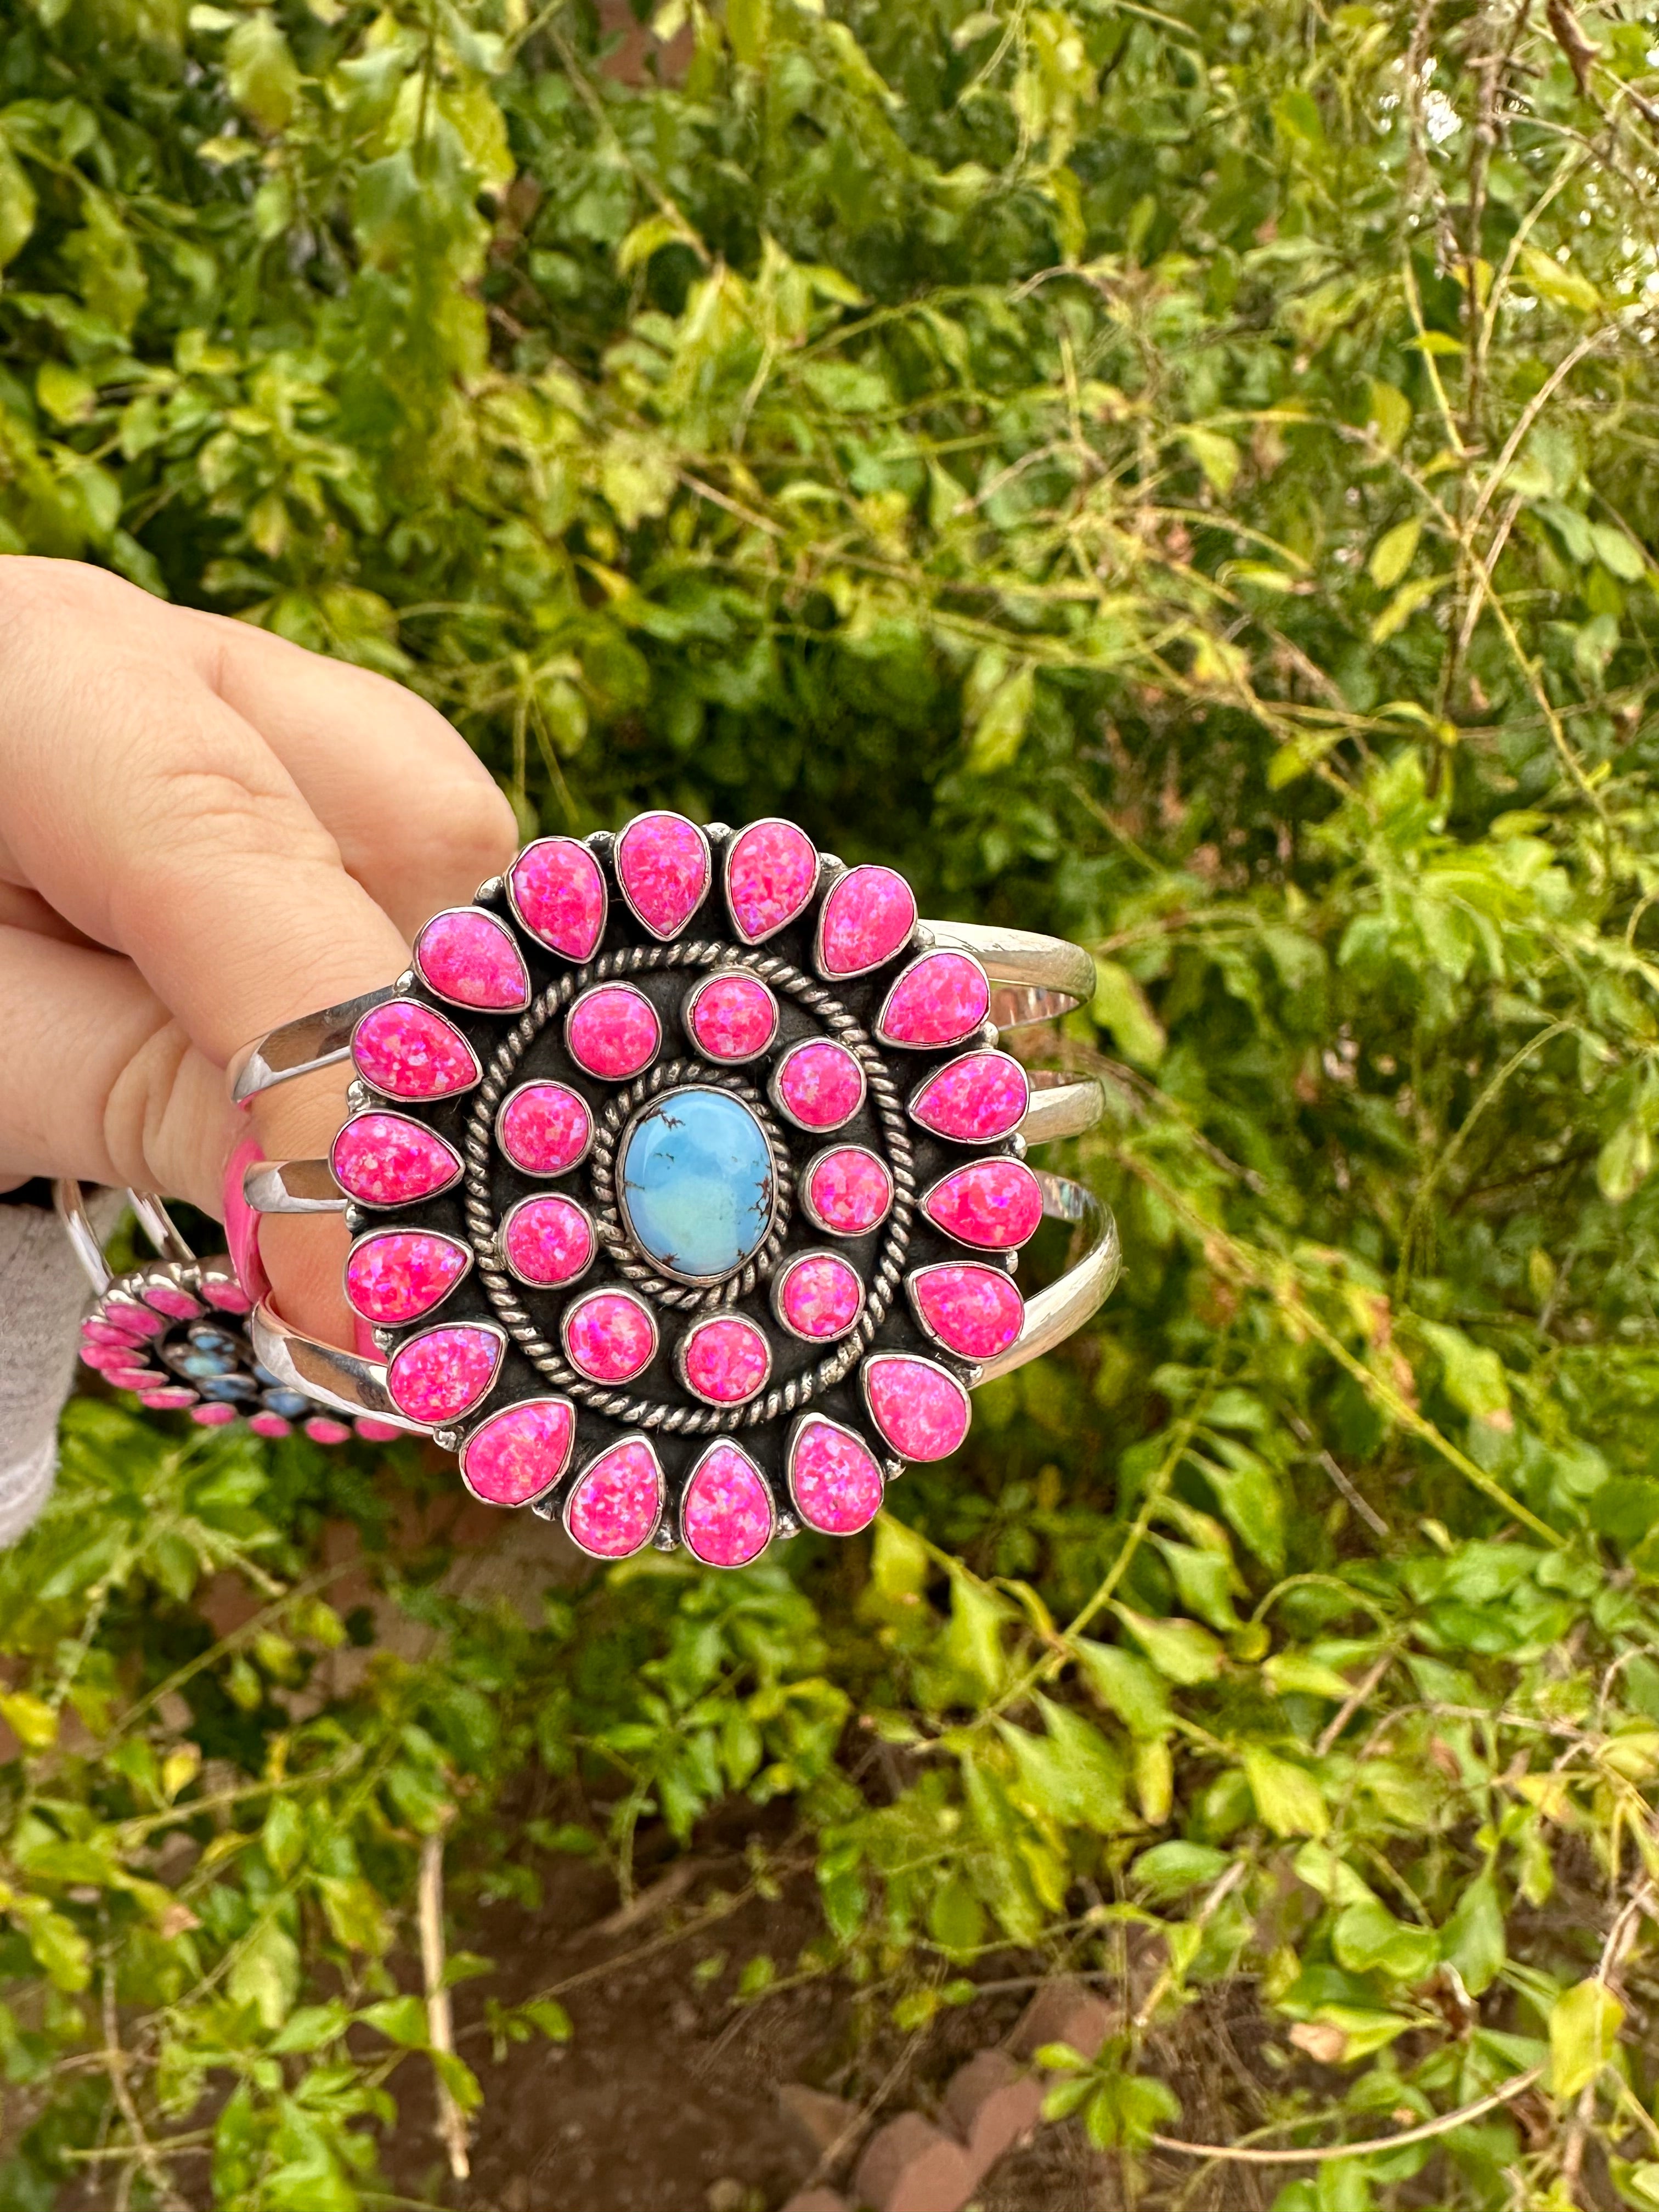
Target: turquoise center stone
<point x="695" y="1173"/>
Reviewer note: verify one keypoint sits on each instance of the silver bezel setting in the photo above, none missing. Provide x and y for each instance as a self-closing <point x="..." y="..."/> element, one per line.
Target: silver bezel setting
<point x="502" y="1412"/>
<point x="541" y="1198"/>
<point x="469" y="1005"/>
<point x="446" y="1430"/>
<point x="688" y="1008"/>
<point x="371" y="1093"/>
<point x="925" y="1203"/>
<point x="629" y="1437"/>
<point x="912" y="1298"/>
<point x="920" y="1359"/>
<point x="613" y="984"/>
<point x="665" y="814"/>
<point x="805" y="1188"/>
<point x="609" y="1291"/>
<point x="579" y="845"/>
<point x="798" y="1429"/>
<point x="885" y="1035"/>
<point x="969" y="1052"/>
<point x="774" y="1092"/>
<point x="828" y="888"/>
<point x="682" y="1350"/>
<point x="542" y="1083"/>
<point x="766" y="822"/>
<point x="390" y="1228"/>
<point x="719" y="1444"/>
<point x="679" y="1274"/>
<point x="788" y="1268"/>
<point x="386" y="1205"/>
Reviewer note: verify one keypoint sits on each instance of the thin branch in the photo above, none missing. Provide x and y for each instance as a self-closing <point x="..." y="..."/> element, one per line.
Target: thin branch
<point x="1249" y="2154"/>
<point x="439" y="2023"/>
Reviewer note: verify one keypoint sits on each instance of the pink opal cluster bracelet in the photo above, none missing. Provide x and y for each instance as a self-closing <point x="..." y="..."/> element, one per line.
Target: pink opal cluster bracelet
<point x="686" y="1175"/>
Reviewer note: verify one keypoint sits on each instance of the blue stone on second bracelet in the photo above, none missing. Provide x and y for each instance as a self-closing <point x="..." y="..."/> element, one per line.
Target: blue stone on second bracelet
<point x="694" y="1172"/>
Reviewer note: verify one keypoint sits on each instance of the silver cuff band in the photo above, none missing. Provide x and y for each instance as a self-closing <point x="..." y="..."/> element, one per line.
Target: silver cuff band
<point x="344" y="1379"/>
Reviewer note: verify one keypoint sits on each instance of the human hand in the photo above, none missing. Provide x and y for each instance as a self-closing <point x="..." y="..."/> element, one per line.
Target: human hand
<point x="204" y="831"/>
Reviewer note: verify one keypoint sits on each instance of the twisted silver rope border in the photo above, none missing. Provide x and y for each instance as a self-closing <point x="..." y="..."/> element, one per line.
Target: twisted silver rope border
<point x="502" y="1293"/>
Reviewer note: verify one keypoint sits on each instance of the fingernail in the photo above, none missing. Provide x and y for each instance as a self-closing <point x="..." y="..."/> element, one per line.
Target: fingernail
<point x="242" y="1223"/>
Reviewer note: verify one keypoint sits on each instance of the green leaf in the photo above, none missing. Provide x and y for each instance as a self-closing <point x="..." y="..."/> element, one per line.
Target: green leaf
<point x="1617" y="553"/>
<point x="1170" y="1870"/>
<point x="1554" y="281"/>
<point x="1288" y="1799"/>
<point x="1181" y="1651"/>
<point x="1125" y="1686"/>
<point x="1403" y="605"/>
<point x="1393" y="553"/>
<point x="1389" y="414"/>
<point x="1626" y="1160"/>
<point x="260" y="72"/>
<point x="1216" y="455"/>
<point x="1119" y="1006"/>
<point x="1368" y="1939"/>
<point x="1584" y="2025"/>
<point x="1472" y="1375"/>
<point x="748" y="26"/>
<point x="1000" y="728"/>
<point x="31" y="1719"/>
<point x="17" y="206"/>
<point x="1472" y="1939"/>
<point x="266" y="1974"/>
<point x="400" y="2020"/>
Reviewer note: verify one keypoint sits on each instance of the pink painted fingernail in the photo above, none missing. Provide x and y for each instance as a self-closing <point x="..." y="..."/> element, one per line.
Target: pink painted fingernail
<point x="242" y="1223"/>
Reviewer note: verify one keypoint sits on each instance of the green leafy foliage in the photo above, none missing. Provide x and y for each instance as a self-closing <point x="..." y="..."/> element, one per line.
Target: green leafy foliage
<point x="1181" y="476"/>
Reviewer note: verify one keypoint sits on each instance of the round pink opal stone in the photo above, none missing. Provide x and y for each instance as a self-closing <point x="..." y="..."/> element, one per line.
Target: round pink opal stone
<point x="725" y="1516"/>
<point x="613" y="1031"/>
<point x="939" y="999"/>
<point x="609" y="1336"/>
<point x="387" y="1159"/>
<point x="444" y="1372"/>
<point x="833" y="1479"/>
<point x="771" y="872"/>
<point x="376" y="1432"/>
<point x="518" y="1453"/>
<point x="820" y="1296"/>
<point x="471" y="958"/>
<point x="921" y="1410"/>
<point x="663" y="866"/>
<point x="967" y="1308"/>
<point x="322" y="1430"/>
<point x="167" y="1400"/>
<point x="617" y="1502"/>
<point x="225" y="1293"/>
<point x="731" y="1017"/>
<point x="410" y="1051"/>
<point x="867" y="918"/>
<point x="725" y="1360"/>
<point x="819" y="1085"/>
<point x="212" y="1416"/>
<point x="165" y="1298"/>
<point x="544" y="1128"/>
<point x="547" y="1240"/>
<point x="973" y="1100"/>
<point x="270" y="1425"/>
<point x="848" y="1191"/>
<point x="995" y="1204"/>
<point x="558" y="893"/>
<point x="396" y="1275"/>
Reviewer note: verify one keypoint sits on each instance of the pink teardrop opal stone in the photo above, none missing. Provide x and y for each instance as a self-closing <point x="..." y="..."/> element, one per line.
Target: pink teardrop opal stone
<point x="167" y="1298"/>
<point x="609" y="1336"/>
<point x="558" y="894"/>
<point x="725" y="1516"/>
<point x="444" y="1372"/>
<point x="833" y="1478"/>
<point x="994" y="1204"/>
<point x="663" y="866"/>
<point x="939" y="999"/>
<point x="471" y="957"/>
<point x="547" y="1240"/>
<point x="867" y="918"/>
<point x="848" y="1191"/>
<point x="731" y="1017"/>
<point x="412" y="1051"/>
<point x="771" y="871"/>
<point x="725" y="1360"/>
<point x="921" y="1410"/>
<point x="394" y="1276"/>
<point x="973" y="1100"/>
<point x="617" y="1502"/>
<point x="818" y="1083"/>
<point x="387" y="1159"/>
<point x="819" y="1296"/>
<point x="968" y="1308"/>
<point x="613" y="1031"/>
<point x="518" y="1453"/>
<point x="544" y="1128"/>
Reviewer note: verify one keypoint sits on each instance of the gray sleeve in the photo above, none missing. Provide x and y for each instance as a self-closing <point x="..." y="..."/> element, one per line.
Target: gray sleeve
<point x="42" y="1294"/>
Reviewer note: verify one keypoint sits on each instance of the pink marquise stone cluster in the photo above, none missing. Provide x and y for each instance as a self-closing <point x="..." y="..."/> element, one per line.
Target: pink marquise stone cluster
<point x="663" y="866"/>
<point x="820" y="1297"/>
<point x="167" y="1298"/>
<point x="613" y="1031"/>
<point x="833" y="1479"/>
<point x="939" y="999"/>
<point x="819" y="1084"/>
<point x="444" y="1372"/>
<point x="546" y="1128"/>
<point x="973" y="1100"/>
<point x="609" y="1336"/>
<point x="614" y="1508"/>
<point x="849" y="1190"/>
<point x="920" y="1411"/>
<point x="385" y="1159"/>
<point x="994" y="1204"/>
<point x="733" y="1017"/>
<point x="548" y="1241"/>
<point x="470" y="957"/>
<point x="867" y="918"/>
<point x="771" y="872"/>
<point x="558" y="893"/>
<point x="725" y="1360"/>
<point x="725" y="1516"/>
<point x="969" y="1308"/>
<point x="397" y="1276"/>
<point x="517" y="1455"/>
<point x="412" y="1051"/>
